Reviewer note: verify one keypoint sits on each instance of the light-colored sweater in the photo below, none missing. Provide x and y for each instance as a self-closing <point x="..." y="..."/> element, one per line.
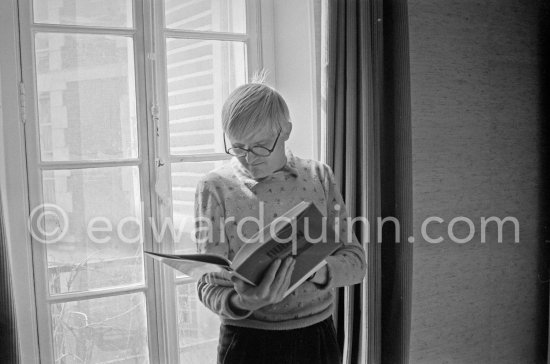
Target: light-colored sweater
<point x="229" y="191"/>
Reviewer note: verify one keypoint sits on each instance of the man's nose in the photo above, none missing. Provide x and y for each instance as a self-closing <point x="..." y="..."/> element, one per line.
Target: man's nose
<point x="251" y="157"/>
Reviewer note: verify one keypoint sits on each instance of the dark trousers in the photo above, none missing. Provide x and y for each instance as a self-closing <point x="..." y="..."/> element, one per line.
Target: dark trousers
<point x="315" y="344"/>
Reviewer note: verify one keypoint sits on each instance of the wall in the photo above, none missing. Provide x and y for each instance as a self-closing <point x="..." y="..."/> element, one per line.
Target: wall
<point x="295" y="64"/>
<point x="476" y="139"/>
<point x="2" y="143"/>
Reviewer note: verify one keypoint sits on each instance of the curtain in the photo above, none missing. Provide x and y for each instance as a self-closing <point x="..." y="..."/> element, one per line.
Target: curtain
<point x="8" y="333"/>
<point x="368" y="146"/>
<point x="396" y="191"/>
<point x="544" y="258"/>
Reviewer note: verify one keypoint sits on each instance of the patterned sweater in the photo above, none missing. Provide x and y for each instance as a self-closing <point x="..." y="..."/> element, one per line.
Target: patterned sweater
<point x="229" y="192"/>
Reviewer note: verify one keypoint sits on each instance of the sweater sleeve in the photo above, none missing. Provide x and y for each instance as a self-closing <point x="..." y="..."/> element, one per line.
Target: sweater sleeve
<point x="214" y="289"/>
<point x="347" y="266"/>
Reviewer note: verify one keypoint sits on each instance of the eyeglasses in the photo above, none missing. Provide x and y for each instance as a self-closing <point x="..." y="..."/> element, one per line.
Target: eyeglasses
<point x="256" y="150"/>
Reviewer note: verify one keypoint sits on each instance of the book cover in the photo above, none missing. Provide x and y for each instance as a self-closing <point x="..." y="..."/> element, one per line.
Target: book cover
<point x="303" y="232"/>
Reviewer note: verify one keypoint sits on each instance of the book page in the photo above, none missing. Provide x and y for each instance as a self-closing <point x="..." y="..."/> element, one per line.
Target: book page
<point x="192" y="265"/>
<point x="191" y="268"/>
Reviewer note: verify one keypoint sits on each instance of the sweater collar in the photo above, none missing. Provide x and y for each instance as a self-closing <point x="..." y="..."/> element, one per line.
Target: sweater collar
<point x="289" y="169"/>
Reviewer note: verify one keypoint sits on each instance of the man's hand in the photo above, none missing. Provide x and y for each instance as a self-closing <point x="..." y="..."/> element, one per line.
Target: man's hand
<point x="271" y="290"/>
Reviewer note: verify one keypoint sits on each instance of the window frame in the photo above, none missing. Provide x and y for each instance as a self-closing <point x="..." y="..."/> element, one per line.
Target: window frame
<point x="163" y="159"/>
<point x="152" y="129"/>
<point x="14" y="112"/>
<point x="43" y="299"/>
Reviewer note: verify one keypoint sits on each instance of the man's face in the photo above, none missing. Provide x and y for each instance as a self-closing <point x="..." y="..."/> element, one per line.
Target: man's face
<point x="257" y="166"/>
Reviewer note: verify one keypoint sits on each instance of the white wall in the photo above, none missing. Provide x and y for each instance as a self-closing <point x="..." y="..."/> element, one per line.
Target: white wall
<point x="295" y="65"/>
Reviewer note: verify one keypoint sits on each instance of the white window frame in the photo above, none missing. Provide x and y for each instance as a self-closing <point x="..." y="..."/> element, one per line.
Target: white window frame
<point x="151" y="120"/>
<point x="34" y="166"/>
<point x="13" y="171"/>
<point x="161" y="145"/>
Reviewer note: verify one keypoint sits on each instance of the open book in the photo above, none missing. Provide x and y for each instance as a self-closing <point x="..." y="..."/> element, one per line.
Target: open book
<point x="310" y="240"/>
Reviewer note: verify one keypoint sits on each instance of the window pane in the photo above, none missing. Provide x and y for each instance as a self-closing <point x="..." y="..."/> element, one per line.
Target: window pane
<point x="81" y="257"/>
<point x="108" y="13"/>
<point x="198" y="328"/>
<point x="184" y="181"/>
<point x="103" y="330"/>
<point x="201" y="74"/>
<point x="206" y="15"/>
<point x="87" y="99"/>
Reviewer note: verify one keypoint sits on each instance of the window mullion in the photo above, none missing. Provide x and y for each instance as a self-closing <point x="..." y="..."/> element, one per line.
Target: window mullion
<point x="189" y="34"/>
<point x="161" y="182"/>
<point x="76" y="29"/>
<point x="75" y="296"/>
<point x="202" y="157"/>
<point x="34" y="179"/>
<point x="144" y="94"/>
<point x="88" y="164"/>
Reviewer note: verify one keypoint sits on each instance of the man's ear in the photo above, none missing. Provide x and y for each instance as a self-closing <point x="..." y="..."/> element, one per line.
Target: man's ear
<point x="285" y="132"/>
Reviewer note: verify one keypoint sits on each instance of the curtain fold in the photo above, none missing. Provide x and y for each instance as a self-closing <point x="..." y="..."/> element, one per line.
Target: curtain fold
<point x="396" y="193"/>
<point x="368" y="145"/>
<point x="353" y="92"/>
<point x="9" y="352"/>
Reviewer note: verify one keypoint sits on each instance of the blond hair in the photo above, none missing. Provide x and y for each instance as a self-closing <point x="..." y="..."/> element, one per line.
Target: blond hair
<point x="252" y="108"/>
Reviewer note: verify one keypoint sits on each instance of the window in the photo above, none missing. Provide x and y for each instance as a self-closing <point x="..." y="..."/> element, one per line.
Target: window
<point x="127" y="99"/>
<point x="122" y="101"/>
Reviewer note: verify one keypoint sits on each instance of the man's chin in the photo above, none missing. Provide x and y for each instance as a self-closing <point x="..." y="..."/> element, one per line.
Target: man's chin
<point x="257" y="173"/>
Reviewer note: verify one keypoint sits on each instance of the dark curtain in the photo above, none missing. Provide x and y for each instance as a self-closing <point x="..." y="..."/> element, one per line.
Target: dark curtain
<point x="369" y="149"/>
<point x="396" y="191"/>
<point x="8" y="333"/>
<point x="543" y="344"/>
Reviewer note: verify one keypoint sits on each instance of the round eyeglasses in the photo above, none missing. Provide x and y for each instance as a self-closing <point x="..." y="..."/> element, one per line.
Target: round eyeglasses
<point x="256" y="150"/>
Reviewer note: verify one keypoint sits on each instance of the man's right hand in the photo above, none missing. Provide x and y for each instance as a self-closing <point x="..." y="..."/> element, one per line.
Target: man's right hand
<point x="271" y="290"/>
